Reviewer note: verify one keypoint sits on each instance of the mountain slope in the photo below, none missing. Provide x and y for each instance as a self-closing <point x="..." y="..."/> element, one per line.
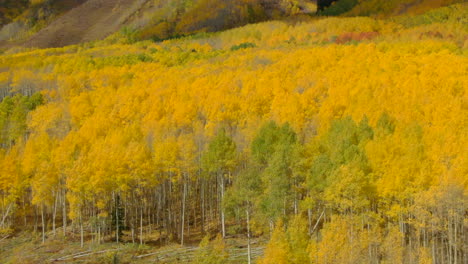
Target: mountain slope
<point x="155" y="19"/>
<point x="83" y="21"/>
<point x="397" y="7"/>
<point x="93" y="20"/>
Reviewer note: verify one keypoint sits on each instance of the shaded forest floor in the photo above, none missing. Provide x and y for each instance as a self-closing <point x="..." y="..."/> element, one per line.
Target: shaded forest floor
<point x="27" y="248"/>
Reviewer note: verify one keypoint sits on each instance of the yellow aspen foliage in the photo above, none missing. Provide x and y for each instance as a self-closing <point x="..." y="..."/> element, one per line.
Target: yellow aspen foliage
<point x="393" y="248"/>
<point x="345" y="241"/>
<point x="298" y="241"/>
<point x="425" y="256"/>
<point x="371" y="166"/>
<point x="37" y="164"/>
<point x="290" y="245"/>
<point x="12" y="181"/>
<point x="334" y="247"/>
<point x="211" y="252"/>
<point x="277" y="250"/>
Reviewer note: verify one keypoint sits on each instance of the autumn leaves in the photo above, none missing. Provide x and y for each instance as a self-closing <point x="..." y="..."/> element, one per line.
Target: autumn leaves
<point x="294" y="135"/>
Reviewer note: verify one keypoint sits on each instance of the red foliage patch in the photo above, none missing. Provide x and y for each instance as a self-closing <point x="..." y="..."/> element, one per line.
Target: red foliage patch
<point x="431" y="34"/>
<point x="355" y="36"/>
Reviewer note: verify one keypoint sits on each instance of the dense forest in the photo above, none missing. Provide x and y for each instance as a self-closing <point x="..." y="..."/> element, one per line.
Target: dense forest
<point x="335" y="139"/>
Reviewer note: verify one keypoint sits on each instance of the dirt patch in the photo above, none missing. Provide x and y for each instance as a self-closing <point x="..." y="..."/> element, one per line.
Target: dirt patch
<point x="92" y="20"/>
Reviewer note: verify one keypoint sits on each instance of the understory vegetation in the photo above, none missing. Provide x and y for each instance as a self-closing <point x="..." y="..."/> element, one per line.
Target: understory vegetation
<point x="337" y="139"/>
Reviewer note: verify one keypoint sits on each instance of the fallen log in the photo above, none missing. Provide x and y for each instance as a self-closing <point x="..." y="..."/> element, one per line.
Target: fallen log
<point x="84" y="254"/>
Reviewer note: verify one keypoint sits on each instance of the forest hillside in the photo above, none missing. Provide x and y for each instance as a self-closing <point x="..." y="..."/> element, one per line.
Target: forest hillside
<point x="269" y="134"/>
<point x="58" y="23"/>
<point x="54" y="23"/>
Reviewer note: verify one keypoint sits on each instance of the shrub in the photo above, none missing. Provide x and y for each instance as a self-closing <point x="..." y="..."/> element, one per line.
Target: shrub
<point x="12" y="30"/>
<point x="129" y="34"/>
<point x="222" y="15"/>
<point x="338" y="8"/>
<point x="454" y="13"/>
<point x="161" y="31"/>
<point x="213" y="252"/>
<point x="245" y="45"/>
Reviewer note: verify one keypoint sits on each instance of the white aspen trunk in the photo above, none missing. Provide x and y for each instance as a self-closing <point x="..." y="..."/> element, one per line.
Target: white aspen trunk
<point x="5" y="215"/>
<point x="166" y="215"/>
<point x="433" y="243"/>
<point x="24" y="208"/>
<point x="43" y="223"/>
<point x="116" y="221"/>
<point x="141" y="226"/>
<point x="318" y="221"/>
<point x="211" y="201"/>
<point x="455" y="251"/>
<point x="54" y="213"/>
<point x="223" y="227"/>
<point x="99" y="234"/>
<point x="81" y="230"/>
<point x="183" y="212"/>
<point x="64" y="213"/>
<point x="202" y="194"/>
<point x="35" y="219"/>
<point x="187" y="197"/>
<point x="169" y="209"/>
<point x="249" y="256"/>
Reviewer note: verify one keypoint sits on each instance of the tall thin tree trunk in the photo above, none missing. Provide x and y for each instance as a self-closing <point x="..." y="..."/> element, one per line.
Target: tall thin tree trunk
<point x="5" y="215"/>
<point x="43" y="223"/>
<point x="99" y="233"/>
<point x="64" y="212"/>
<point x="141" y="225"/>
<point x="54" y="213"/>
<point x="117" y="224"/>
<point x="223" y="227"/>
<point x="24" y="210"/>
<point x="81" y="230"/>
<point x="183" y="212"/>
<point x="202" y="194"/>
<point x="167" y="210"/>
<point x="35" y="219"/>
<point x="249" y="253"/>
